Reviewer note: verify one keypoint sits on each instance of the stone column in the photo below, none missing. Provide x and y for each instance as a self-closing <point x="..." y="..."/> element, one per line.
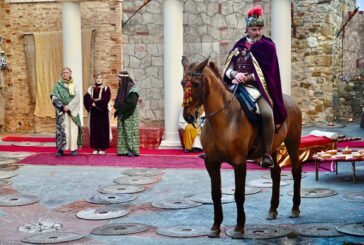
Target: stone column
<point x="173" y="71"/>
<point x="2" y="95"/>
<point x="281" y="35"/>
<point x="72" y="43"/>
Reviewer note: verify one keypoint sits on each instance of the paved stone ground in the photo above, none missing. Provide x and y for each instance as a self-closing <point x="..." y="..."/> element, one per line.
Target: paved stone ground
<point x="62" y="191"/>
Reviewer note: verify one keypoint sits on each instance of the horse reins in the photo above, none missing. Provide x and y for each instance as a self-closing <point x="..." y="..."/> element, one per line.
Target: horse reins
<point x="197" y="74"/>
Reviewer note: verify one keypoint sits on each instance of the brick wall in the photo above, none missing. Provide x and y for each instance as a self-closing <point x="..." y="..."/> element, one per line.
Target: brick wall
<point x="18" y="18"/>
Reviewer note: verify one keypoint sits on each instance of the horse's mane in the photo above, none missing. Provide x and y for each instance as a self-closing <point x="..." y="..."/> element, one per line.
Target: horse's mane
<point x="215" y="70"/>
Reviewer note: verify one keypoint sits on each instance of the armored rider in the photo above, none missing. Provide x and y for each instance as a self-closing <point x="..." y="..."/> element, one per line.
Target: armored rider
<point x="253" y="61"/>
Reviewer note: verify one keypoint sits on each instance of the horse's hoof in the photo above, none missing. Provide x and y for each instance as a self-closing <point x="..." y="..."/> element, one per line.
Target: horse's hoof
<point x="272" y="215"/>
<point x="214" y="234"/>
<point x="295" y="214"/>
<point x="238" y="234"/>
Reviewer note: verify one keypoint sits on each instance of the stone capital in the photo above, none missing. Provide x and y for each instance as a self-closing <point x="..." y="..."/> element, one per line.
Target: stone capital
<point x="64" y="1"/>
<point x="61" y="1"/>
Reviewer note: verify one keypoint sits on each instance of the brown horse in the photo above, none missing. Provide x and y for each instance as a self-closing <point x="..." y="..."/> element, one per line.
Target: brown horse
<point x="228" y="136"/>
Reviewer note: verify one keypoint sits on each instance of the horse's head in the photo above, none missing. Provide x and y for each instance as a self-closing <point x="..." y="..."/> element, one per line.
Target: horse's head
<point x="193" y="87"/>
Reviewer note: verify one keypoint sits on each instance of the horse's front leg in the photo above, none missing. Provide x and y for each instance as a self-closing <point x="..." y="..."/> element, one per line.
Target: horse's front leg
<point x="240" y="176"/>
<point x="275" y="174"/>
<point x="213" y="168"/>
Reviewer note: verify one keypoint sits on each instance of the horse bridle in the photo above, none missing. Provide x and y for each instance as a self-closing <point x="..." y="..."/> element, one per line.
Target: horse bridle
<point x="200" y="74"/>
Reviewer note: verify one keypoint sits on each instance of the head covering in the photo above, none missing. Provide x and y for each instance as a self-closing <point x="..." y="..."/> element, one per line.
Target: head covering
<point x="125" y="84"/>
<point x="71" y="85"/>
<point x="254" y="17"/>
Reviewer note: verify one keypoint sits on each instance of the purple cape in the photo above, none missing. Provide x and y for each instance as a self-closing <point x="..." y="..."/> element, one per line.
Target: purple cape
<point x="265" y="53"/>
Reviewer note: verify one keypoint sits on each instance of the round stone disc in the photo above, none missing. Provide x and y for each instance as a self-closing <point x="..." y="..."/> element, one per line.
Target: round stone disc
<point x="7" y="174"/>
<point x="207" y="199"/>
<point x="15" y="155"/>
<point x="284" y="176"/>
<point x="4" y="163"/>
<point x="17" y="200"/>
<point x="120" y="229"/>
<point x="317" y="230"/>
<point x="135" y="180"/>
<point x="9" y="168"/>
<point x="264" y="183"/>
<point x="107" y="212"/>
<point x="143" y="172"/>
<point x="346" y="179"/>
<point x="178" y="203"/>
<point x="185" y="231"/>
<point x="121" y="189"/>
<point x="230" y="190"/>
<point x="354" y="229"/>
<point x="261" y="231"/>
<point x="27" y="144"/>
<point x="53" y="237"/>
<point x="315" y="192"/>
<point x="111" y="198"/>
<point x="40" y="227"/>
<point x="357" y="196"/>
<point x="4" y="182"/>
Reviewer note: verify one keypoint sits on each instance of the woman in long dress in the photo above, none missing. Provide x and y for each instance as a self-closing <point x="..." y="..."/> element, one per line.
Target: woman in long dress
<point x="96" y="102"/>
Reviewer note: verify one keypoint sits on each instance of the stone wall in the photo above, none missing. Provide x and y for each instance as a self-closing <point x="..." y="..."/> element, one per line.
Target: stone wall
<point x="351" y="83"/>
<point x="317" y="57"/>
<point x="210" y="29"/>
<point x="18" y="18"/>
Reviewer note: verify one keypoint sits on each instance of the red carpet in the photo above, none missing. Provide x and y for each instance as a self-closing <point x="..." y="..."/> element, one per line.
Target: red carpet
<point x="150" y="158"/>
<point x="352" y="144"/>
<point x="143" y="161"/>
<point x="49" y="149"/>
<point x="28" y="139"/>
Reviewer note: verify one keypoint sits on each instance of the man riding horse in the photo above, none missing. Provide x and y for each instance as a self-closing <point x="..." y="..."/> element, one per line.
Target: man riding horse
<point x="253" y="61"/>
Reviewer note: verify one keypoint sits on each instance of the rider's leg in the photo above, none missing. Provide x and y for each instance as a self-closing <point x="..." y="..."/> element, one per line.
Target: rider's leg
<point x="266" y="113"/>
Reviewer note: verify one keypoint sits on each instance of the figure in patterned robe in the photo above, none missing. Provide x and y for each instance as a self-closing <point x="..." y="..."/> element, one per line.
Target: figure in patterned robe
<point x="66" y="101"/>
<point x="128" y="118"/>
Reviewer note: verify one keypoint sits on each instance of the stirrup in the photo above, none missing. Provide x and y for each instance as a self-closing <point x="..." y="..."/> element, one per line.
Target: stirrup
<point x="267" y="161"/>
<point x="277" y="128"/>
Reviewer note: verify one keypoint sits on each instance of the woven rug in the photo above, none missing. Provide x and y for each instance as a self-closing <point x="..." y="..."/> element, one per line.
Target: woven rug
<point x="149" y="137"/>
<point x="144" y="161"/>
<point x="85" y="150"/>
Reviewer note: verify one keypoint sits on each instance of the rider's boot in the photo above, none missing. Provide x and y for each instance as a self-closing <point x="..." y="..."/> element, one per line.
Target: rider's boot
<point x="267" y="161"/>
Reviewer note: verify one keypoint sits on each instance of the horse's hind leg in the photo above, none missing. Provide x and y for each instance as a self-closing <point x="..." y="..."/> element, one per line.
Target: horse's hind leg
<point x="215" y="176"/>
<point x="275" y="174"/>
<point x="293" y="151"/>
